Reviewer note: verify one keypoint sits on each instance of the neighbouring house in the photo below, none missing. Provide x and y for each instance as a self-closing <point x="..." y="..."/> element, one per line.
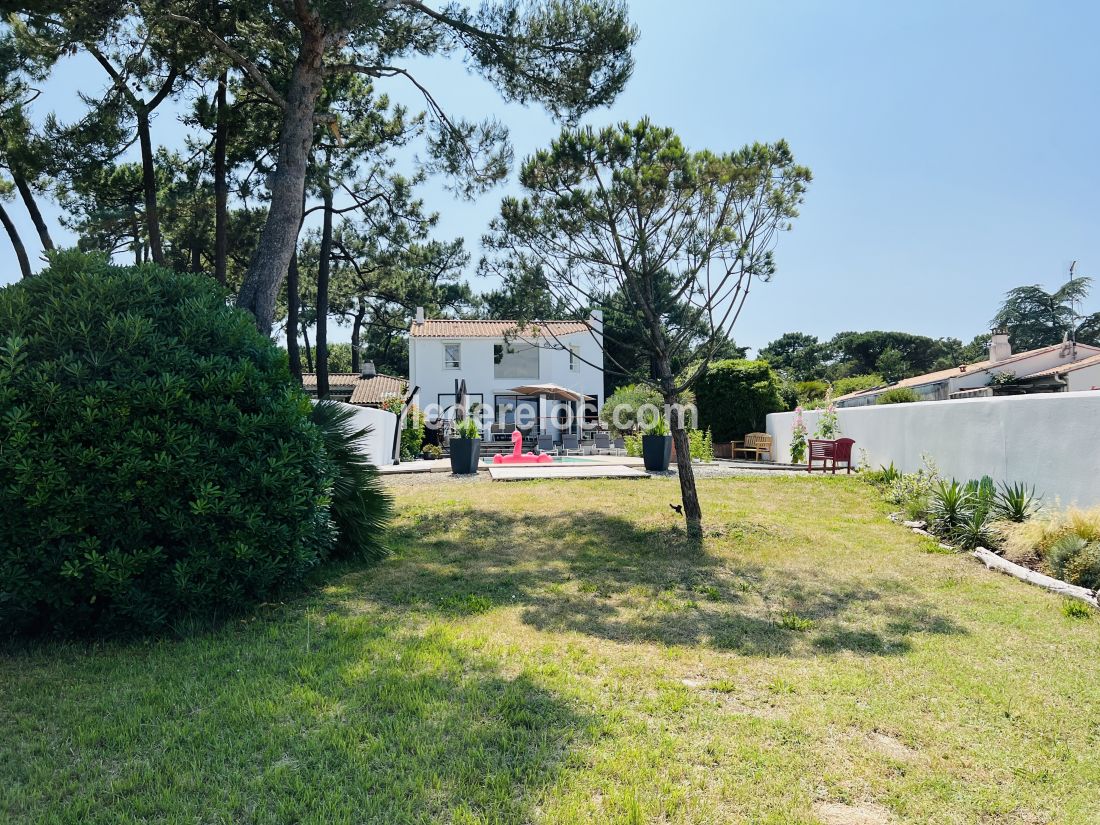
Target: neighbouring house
<point x="1059" y="367"/>
<point x="363" y="389"/>
<point x="1072" y="377"/>
<point x="492" y="359"/>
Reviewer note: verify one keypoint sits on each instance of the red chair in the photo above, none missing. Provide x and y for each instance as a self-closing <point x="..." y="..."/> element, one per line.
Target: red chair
<point x="828" y="453"/>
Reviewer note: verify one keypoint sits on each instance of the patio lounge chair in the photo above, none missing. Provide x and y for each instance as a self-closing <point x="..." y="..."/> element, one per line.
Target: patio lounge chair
<point x="545" y="443"/>
<point x="618" y="446"/>
<point x="601" y="443"/>
<point x="570" y="445"/>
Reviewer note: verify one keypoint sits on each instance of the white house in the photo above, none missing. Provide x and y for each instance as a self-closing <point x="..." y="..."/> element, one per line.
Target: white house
<point x="1054" y="364"/>
<point x="493" y="358"/>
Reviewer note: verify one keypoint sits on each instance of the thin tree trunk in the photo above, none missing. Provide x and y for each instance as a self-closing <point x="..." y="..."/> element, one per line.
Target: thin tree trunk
<point x="689" y="496"/>
<point x="149" y="185"/>
<point x="356" y="336"/>
<point x="292" y="350"/>
<point x="196" y="257"/>
<point x="17" y="242"/>
<point x="32" y="209"/>
<point x="323" y="269"/>
<point x="309" y="352"/>
<point x="221" y="187"/>
<point x="272" y="259"/>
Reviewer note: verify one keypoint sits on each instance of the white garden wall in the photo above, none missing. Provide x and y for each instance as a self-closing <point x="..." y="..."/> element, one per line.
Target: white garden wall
<point x="379" y="444"/>
<point x="1051" y="440"/>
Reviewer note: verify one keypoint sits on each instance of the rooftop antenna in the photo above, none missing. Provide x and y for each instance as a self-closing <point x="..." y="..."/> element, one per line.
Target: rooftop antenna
<point x="1074" y="316"/>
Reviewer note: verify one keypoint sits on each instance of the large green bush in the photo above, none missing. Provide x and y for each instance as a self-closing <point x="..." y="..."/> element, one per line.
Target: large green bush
<point x="156" y="462"/>
<point x="735" y="397"/>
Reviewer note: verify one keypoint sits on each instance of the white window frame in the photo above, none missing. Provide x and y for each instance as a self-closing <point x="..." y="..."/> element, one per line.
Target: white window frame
<point x="574" y="357"/>
<point x="453" y="364"/>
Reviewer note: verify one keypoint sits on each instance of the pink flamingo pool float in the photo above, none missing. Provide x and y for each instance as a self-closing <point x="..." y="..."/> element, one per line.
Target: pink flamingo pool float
<point x="520" y="457"/>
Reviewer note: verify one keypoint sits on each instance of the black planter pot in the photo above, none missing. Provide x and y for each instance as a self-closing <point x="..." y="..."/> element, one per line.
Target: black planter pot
<point x="656" y="452"/>
<point x="465" y="453"/>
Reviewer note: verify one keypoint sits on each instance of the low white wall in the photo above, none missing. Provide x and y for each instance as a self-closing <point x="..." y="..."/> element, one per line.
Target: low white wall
<point x="379" y="444"/>
<point x="1050" y="440"/>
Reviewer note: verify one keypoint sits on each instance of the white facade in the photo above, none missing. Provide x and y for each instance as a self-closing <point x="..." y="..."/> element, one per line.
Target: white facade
<point x="573" y="360"/>
<point x="1048" y="440"/>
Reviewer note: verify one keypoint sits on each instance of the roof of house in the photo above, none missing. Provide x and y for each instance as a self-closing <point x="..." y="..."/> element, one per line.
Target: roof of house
<point x="1091" y="361"/>
<point x="458" y="328"/>
<point x="962" y="369"/>
<point x="364" y="391"/>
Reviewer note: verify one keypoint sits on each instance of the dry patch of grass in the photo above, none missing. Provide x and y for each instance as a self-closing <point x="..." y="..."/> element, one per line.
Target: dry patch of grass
<point x="561" y="652"/>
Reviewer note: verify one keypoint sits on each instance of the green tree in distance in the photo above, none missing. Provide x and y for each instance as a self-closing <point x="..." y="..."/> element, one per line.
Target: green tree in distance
<point x="628" y="210"/>
<point x="1036" y="318"/>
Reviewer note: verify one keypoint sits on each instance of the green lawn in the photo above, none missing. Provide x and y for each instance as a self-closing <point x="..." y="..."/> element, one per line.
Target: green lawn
<point x="558" y="652"/>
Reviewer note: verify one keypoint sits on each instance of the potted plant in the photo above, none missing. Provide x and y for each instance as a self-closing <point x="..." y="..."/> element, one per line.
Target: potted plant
<point x="431" y="452"/>
<point x="657" y="446"/>
<point x="465" y="446"/>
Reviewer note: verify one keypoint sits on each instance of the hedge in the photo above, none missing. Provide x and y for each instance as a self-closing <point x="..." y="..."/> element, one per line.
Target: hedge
<point x="735" y="396"/>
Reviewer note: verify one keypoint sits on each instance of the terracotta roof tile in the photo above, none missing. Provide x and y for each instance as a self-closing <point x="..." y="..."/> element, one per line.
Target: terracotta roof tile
<point x="1091" y="361"/>
<point x="456" y="328"/>
<point x="366" y="392"/>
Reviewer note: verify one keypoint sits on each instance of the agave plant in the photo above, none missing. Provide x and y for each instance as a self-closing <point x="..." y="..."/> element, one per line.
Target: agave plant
<point x="1015" y="502"/>
<point x="952" y="505"/>
<point x="360" y="507"/>
<point x="975" y="531"/>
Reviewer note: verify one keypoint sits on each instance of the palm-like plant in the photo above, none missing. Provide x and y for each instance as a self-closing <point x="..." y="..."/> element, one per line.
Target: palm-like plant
<point x="1037" y="318"/>
<point x="360" y="507"/>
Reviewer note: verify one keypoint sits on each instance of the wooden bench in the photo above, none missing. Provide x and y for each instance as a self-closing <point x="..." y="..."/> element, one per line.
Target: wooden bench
<point x="828" y="453"/>
<point x="755" y="444"/>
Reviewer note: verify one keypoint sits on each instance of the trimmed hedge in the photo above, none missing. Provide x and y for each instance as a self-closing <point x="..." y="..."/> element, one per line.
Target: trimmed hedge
<point x="156" y="461"/>
<point x="735" y="397"/>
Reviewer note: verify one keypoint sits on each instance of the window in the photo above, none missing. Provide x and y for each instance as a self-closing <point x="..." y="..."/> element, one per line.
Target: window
<point x="515" y="360"/>
<point x="574" y="358"/>
<point x="452" y="356"/>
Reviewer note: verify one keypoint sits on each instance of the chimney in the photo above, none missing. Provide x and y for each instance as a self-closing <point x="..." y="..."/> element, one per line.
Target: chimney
<point x="419" y="316"/>
<point x="999" y="348"/>
<point x="368" y="370"/>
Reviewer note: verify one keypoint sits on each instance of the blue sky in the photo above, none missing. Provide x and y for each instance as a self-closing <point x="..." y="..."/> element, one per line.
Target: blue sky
<point x="953" y="146"/>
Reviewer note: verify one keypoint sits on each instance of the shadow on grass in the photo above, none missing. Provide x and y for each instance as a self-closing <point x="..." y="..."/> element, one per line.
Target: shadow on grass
<point x="604" y="576"/>
<point x="304" y="715"/>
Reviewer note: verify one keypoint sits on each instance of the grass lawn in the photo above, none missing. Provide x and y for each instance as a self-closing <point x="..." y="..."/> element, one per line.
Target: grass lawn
<point x="558" y="652"/>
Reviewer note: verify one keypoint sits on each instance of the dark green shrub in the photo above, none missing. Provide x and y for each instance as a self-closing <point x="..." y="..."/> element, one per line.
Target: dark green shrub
<point x="156" y="461"/>
<point x="735" y="397"/>
<point x="360" y="507"/>
<point x="898" y="395"/>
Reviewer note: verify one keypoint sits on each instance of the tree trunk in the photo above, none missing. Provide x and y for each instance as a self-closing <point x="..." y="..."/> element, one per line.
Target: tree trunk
<point x="32" y="209"/>
<point x="323" y="269"/>
<point x="280" y="234"/>
<point x="356" y="336"/>
<point x="149" y="184"/>
<point x="309" y="352"/>
<point x="17" y="242"/>
<point x="221" y="187"/>
<point x="292" y="350"/>
<point x="196" y="257"/>
<point x="693" y="512"/>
